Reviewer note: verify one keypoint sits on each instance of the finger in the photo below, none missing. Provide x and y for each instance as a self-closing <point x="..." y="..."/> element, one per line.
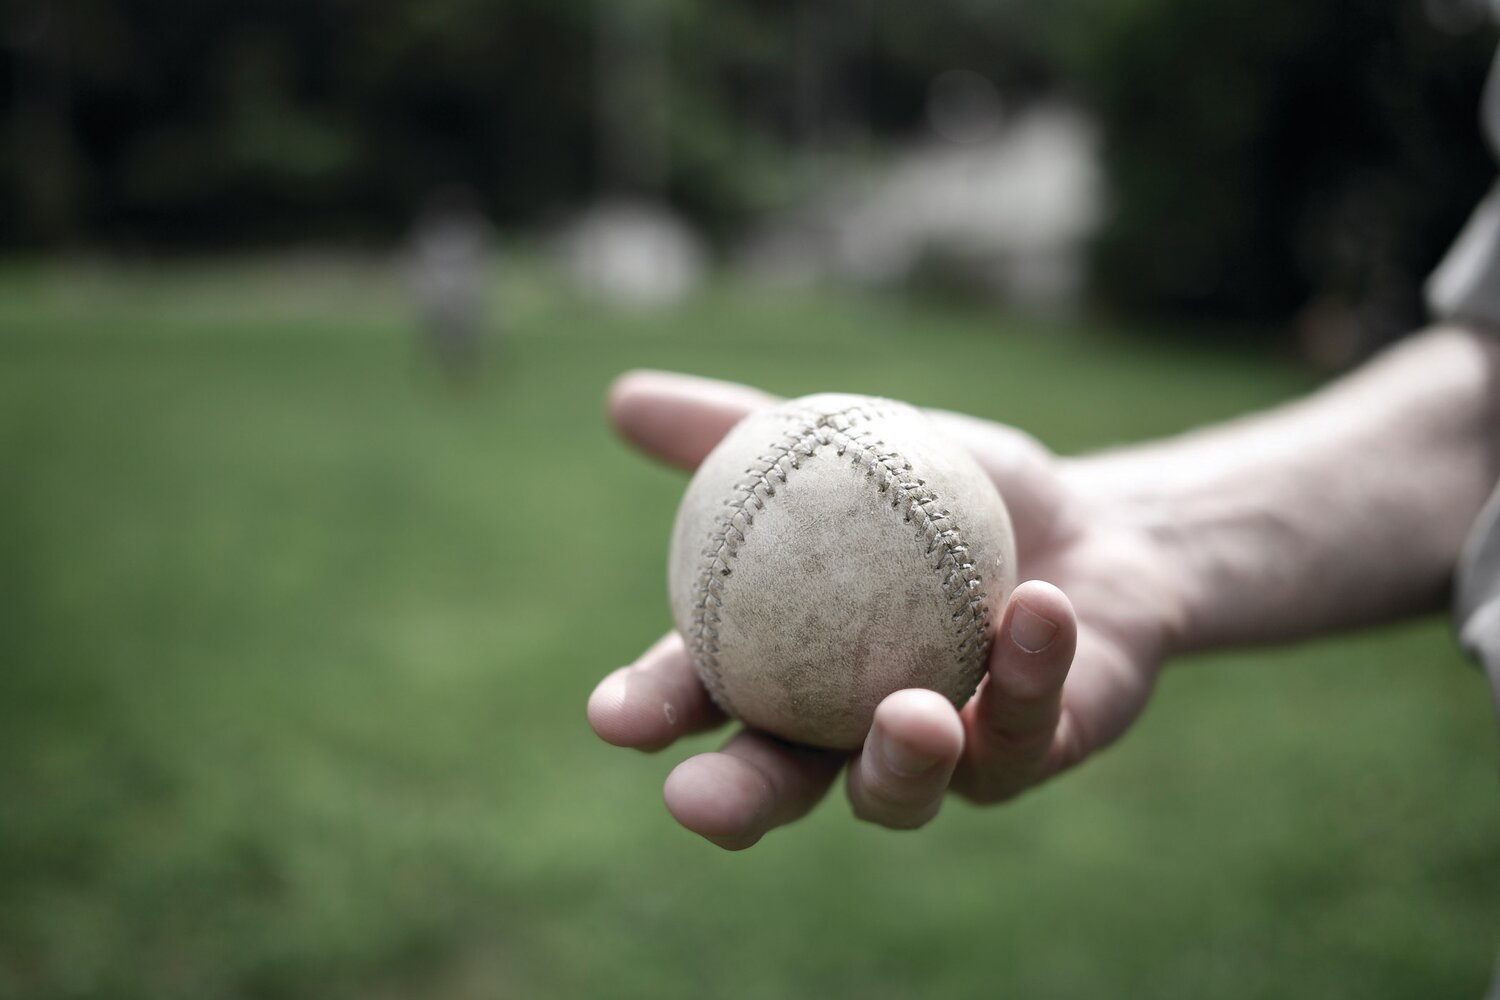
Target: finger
<point x="756" y="783"/>
<point x="679" y="418"/>
<point x="655" y="700"/>
<point x="1014" y="719"/>
<point x="1104" y="694"/>
<point x="901" y="776"/>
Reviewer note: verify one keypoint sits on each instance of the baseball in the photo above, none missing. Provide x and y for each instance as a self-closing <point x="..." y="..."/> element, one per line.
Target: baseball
<point x="831" y="550"/>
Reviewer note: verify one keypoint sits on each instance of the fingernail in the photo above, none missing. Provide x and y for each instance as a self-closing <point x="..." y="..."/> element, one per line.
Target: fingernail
<point x="1030" y="630"/>
<point x="902" y="760"/>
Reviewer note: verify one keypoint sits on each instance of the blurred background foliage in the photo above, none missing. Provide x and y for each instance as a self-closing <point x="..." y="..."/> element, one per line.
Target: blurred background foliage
<point x="1262" y="152"/>
<point x="1260" y="155"/>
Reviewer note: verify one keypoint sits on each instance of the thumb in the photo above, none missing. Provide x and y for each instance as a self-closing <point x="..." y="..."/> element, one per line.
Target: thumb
<point x="679" y="418"/>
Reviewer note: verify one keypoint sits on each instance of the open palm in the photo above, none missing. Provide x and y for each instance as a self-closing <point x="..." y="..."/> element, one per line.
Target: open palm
<point x="1074" y="658"/>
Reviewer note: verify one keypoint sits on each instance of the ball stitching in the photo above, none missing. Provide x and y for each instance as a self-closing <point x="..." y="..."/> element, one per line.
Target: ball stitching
<point x="962" y="584"/>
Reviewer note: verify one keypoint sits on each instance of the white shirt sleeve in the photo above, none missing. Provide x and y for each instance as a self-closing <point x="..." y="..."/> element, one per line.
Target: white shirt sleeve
<point x="1466" y="285"/>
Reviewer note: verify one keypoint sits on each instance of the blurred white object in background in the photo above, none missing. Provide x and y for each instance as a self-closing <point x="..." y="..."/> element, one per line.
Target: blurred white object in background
<point x="1009" y="204"/>
<point x="633" y="253"/>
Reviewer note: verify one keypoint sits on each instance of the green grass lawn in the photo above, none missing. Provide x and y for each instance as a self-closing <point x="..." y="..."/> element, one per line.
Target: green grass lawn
<point x="296" y="643"/>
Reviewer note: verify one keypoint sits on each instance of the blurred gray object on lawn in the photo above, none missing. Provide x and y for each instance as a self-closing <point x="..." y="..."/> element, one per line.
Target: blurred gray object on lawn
<point x="448" y="262"/>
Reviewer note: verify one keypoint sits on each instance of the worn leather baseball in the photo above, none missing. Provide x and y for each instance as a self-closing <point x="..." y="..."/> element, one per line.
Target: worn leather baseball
<point x="831" y="550"/>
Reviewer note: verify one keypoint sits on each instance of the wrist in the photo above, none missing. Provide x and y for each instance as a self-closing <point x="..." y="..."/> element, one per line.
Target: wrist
<point x="1136" y="534"/>
<point x="1342" y="509"/>
<point x="1207" y="553"/>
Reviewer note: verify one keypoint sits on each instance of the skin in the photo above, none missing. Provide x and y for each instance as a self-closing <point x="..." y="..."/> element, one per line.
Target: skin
<point x="1342" y="509"/>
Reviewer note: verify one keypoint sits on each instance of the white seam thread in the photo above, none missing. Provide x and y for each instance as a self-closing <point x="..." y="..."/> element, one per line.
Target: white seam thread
<point x="961" y="582"/>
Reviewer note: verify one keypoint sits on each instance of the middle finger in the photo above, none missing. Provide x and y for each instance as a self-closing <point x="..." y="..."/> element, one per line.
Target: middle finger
<point x="756" y="783"/>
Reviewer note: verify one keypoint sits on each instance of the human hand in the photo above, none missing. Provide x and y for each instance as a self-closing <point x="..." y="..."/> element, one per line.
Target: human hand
<point x="1072" y="664"/>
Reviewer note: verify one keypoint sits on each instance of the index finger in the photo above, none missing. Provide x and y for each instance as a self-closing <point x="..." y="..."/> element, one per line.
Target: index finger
<point x="652" y="702"/>
<point x="1014" y="718"/>
<point x="679" y="418"/>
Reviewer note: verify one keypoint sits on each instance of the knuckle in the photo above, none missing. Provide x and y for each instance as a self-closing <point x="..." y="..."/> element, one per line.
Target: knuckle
<point x="894" y="817"/>
<point x="990" y="784"/>
<point x="990" y="792"/>
<point x="893" y="805"/>
<point x="1020" y="745"/>
<point x="912" y="820"/>
<point x="1030" y="684"/>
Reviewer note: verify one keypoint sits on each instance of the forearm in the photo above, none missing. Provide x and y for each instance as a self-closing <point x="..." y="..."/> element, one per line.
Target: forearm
<point x="1345" y="508"/>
